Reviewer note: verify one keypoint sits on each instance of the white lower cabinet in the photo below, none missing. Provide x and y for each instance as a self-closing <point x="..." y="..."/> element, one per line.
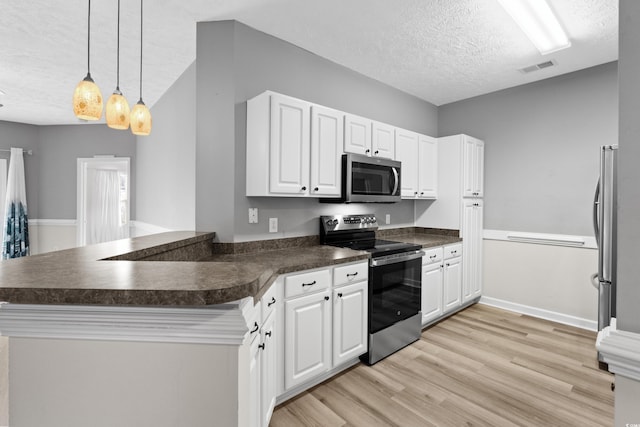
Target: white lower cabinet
<point x="349" y="322"/>
<point x="441" y="282"/>
<point x="452" y="284"/>
<point x="307" y="350"/>
<point x="431" y="292"/>
<point x="325" y="324"/>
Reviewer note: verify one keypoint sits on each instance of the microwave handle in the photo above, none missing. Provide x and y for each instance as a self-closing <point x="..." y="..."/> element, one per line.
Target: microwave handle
<point x="396" y="181"/>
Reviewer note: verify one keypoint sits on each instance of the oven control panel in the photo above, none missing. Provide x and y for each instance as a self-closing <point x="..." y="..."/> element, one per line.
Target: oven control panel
<point x="348" y="222"/>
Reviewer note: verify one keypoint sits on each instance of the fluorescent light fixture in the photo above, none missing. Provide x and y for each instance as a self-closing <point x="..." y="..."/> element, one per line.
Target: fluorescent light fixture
<point x="538" y="22"/>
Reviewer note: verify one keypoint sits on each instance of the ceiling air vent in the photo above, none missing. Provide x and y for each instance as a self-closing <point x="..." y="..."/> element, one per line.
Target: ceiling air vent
<point x="536" y="67"/>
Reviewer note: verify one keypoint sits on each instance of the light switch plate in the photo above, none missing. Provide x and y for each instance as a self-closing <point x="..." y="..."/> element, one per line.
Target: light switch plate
<point x="387" y="219"/>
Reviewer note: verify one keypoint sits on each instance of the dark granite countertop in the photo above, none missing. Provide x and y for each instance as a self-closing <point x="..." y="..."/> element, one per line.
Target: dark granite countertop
<point x="136" y="271"/>
<point x="181" y="268"/>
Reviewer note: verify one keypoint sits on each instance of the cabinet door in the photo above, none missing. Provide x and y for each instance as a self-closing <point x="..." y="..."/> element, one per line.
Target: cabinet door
<point x="473" y="167"/>
<point x="349" y="322"/>
<point x="383" y="140"/>
<point x="407" y="154"/>
<point x="307" y="337"/>
<point x="268" y="368"/>
<point x="427" y="167"/>
<point x="327" y="135"/>
<point x="254" y="383"/>
<point x="289" y="146"/>
<point x="357" y="135"/>
<point x="452" y="283"/>
<point x="472" y="228"/>
<point x="432" y="281"/>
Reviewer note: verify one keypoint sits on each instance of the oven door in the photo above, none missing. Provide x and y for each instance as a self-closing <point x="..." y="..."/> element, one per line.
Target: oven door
<point x="394" y="290"/>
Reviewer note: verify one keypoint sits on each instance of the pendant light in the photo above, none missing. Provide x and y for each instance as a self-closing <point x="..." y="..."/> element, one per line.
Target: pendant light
<point x="140" y="115"/>
<point x="117" y="105"/>
<point x="87" y="99"/>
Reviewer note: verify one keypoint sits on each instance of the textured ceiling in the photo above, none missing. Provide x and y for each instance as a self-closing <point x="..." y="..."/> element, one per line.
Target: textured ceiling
<point x="438" y="50"/>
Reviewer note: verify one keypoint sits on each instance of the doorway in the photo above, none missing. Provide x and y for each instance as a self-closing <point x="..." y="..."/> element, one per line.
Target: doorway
<point x="103" y="199"/>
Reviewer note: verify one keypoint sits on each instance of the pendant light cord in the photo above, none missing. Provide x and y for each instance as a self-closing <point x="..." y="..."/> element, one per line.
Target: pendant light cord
<point x="141" y="50"/>
<point x="89" y="39"/>
<point x="118" y="49"/>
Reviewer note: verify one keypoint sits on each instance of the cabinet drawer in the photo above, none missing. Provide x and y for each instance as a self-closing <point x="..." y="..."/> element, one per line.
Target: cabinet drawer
<point x="453" y="251"/>
<point x="270" y="300"/>
<point x="432" y="256"/>
<point x="350" y="273"/>
<point x="306" y="283"/>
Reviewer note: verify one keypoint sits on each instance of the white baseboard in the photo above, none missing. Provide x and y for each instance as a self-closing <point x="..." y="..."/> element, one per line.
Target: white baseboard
<point x="565" y="319"/>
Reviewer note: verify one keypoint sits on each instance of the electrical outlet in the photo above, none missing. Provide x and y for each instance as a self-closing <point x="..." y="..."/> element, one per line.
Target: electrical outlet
<point x="387" y="219"/>
<point x="253" y="215"/>
<point x="273" y="225"/>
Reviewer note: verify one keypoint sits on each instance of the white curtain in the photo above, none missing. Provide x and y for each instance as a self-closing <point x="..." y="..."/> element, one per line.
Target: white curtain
<point x="15" y="229"/>
<point x="103" y="207"/>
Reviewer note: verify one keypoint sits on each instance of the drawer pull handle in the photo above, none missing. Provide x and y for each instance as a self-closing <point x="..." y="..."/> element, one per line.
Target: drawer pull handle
<point x="268" y="334"/>
<point x="261" y="346"/>
<point x="454" y="252"/>
<point x="326" y="298"/>
<point x="352" y="274"/>
<point x="309" y="284"/>
<point x="273" y="301"/>
<point x="255" y="327"/>
<point x="433" y="256"/>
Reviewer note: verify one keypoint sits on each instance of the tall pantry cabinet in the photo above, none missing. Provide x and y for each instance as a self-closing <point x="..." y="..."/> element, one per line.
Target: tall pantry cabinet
<point x="460" y="205"/>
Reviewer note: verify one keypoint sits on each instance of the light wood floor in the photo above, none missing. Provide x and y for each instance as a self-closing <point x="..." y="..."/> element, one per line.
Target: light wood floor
<point x="481" y="367"/>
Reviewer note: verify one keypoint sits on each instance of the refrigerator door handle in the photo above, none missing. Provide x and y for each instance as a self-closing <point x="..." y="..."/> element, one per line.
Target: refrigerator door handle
<point x="596" y="202"/>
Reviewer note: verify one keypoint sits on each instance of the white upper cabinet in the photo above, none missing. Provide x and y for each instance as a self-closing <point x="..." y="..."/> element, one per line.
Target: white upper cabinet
<point x="427" y="167"/>
<point x="327" y="135"/>
<point x="357" y="135"/>
<point x="473" y="170"/>
<point x="368" y="137"/>
<point x="383" y="140"/>
<point x="289" y="153"/>
<point x="293" y="147"/>
<point x="419" y="157"/>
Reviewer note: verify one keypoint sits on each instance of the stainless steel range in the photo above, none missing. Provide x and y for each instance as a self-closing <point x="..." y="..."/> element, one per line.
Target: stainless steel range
<point x="395" y="276"/>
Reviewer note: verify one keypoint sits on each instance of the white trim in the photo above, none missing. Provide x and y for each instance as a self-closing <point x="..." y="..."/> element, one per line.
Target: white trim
<point x="541" y="313"/>
<point x="54" y="222"/>
<point x="223" y="324"/>
<point x="588" y="242"/>
<point x="620" y="350"/>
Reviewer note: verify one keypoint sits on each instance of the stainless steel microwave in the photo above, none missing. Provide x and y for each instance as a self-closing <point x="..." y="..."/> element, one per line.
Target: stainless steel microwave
<point x="369" y="180"/>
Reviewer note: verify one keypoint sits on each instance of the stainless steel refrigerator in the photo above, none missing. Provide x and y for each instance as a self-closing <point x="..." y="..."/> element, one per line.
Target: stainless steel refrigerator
<point x="605" y="228"/>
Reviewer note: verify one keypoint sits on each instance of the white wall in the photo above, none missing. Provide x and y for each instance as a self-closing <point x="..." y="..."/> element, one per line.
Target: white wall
<point x="104" y="384"/>
<point x="550" y="281"/>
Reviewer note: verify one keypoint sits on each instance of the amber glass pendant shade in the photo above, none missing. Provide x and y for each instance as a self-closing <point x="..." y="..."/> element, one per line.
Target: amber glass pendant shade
<point x="87" y="100"/>
<point x="118" y="111"/>
<point x="140" y="119"/>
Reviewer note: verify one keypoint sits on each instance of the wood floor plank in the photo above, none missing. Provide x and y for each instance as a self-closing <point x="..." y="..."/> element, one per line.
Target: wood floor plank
<point x="482" y="367"/>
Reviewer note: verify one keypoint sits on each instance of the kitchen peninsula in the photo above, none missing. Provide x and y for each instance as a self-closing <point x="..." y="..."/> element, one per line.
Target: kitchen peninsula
<point x="146" y="331"/>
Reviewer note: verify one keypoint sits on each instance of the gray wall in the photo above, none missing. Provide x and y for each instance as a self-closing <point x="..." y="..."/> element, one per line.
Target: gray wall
<point x="59" y="147"/>
<point x="165" y="159"/>
<point x="628" y="298"/>
<point x="50" y="173"/>
<point x="541" y="151"/>
<point x="23" y="136"/>
<point x="239" y="62"/>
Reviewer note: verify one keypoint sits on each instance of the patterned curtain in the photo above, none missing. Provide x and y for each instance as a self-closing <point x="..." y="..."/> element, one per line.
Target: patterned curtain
<point x="15" y="230"/>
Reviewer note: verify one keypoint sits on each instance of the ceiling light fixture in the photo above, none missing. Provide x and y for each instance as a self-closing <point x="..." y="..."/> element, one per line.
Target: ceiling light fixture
<point x="117" y="106"/>
<point x="140" y="115"/>
<point x="87" y="99"/>
<point x="539" y="23"/>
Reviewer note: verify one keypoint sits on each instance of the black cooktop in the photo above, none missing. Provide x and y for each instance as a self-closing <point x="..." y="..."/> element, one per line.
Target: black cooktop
<point x="358" y="232"/>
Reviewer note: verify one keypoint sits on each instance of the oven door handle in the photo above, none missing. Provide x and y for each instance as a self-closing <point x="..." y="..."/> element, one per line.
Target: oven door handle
<point x="393" y="259"/>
